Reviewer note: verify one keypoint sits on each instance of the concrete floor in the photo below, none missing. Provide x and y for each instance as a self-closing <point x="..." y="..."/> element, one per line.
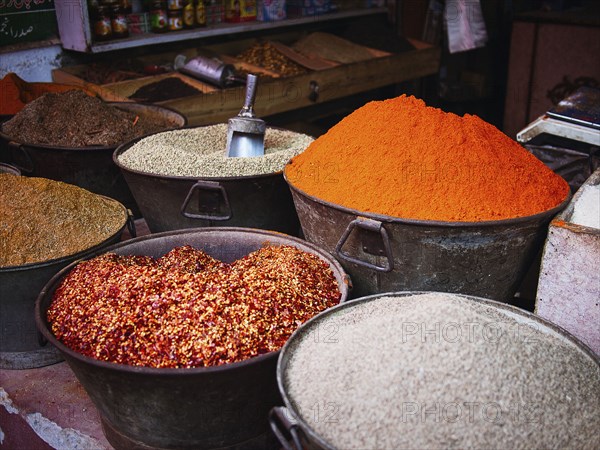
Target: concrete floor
<point x="47" y="408"/>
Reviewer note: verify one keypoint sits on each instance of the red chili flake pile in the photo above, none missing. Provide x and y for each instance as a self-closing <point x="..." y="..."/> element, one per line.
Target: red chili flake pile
<point x="187" y="309"/>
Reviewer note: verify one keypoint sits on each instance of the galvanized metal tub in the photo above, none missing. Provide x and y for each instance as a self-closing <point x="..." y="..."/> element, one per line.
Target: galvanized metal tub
<point x="215" y="407"/>
<point x="91" y="167"/>
<point x="21" y="345"/>
<point x="173" y="202"/>
<point x="295" y="433"/>
<point x="7" y="168"/>
<point x="383" y="253"/>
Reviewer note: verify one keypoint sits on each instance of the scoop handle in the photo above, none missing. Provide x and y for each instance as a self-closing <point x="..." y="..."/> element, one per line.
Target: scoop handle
<point x="251" y="82"/>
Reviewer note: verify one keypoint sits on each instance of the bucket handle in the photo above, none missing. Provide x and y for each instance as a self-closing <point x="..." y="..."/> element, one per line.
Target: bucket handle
<point x="131" y="224"/>
<point x="280" y="415"/>
<point x="369" y="225"/>
<point x="213" y="186"/>
<point x="16" y="148"/>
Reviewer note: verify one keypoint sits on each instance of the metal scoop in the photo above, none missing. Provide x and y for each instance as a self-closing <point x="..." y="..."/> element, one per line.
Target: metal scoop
<point x="246" y="132"/>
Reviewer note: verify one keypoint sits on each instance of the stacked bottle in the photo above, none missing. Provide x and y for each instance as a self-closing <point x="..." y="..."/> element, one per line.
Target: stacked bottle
<point x="175" y="15"/>
<point x="109" y="18"/>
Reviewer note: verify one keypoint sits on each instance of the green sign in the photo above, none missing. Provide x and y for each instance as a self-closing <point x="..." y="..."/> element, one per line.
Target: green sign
<point x="26" y="21"/>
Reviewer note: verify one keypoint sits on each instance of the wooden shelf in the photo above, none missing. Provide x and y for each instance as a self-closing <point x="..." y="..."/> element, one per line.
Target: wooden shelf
<point x="279" y="94"/>
<point x="75" y="32"/>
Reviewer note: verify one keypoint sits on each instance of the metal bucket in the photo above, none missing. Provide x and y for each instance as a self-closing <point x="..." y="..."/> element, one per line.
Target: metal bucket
<point x="7" y="168"/>
<point x="172" y="202"/>
<point x="214" y="407"/>
<point x="294" y="433"/>
<point x="21" y="345"/>
<point x="90" y="168"/>
<point x="384" y="254"/>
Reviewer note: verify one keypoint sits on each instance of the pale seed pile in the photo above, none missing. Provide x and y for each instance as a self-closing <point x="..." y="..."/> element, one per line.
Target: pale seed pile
<point x="443" y="371"/>
<point x="200" y="152"/>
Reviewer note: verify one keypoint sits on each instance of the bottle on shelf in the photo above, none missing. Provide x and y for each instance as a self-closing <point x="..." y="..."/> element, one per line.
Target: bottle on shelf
<point x="189" y="19"/>
<point x="118" y="22"/>
<point x="159" y="21"/>
<point x="200" y="13"/>
<point x="175" y="19"/>
<point x="101" y="23"/>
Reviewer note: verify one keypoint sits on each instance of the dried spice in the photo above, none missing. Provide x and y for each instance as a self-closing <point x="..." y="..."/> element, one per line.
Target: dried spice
<point x="263" y="54"/>
<point x="165" y="89"/>
<point x="201" y="152"/>
<point x="401" y="158"/>
<point x="41" y="220"/>
<point x="113" y="72"/>
<point x="438" y="370"/>
<point x="331" y="47"/>
<point x="186" y="309"/>
<point x="74" y="119"/>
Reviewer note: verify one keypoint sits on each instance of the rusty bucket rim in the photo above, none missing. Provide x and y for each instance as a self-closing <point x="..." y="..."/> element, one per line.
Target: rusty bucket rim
<point x="92" y="148"/>
<point x="127" y="145"/>
<point x="285" y="352"/>
<point x="42" y="325"/>
<point x="79" y="255"/>
<point x="549" y="213"/>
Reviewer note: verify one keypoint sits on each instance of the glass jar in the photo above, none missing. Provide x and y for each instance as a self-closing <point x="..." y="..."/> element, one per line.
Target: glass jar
<point x="175" y="20"/>
<point x="158" y="16"/>
<point x="200" y="13"/>
<point x="118" y="22"/>
<point x="101" y="23"/>
<point x="189" y="20"/>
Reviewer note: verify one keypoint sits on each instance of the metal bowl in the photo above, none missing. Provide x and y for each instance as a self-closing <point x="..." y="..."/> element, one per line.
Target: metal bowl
<point x="384" y="254"/>
<point x="198" y="408"/>
<point x="294" y="432"/>
<point x="177" y="202"/>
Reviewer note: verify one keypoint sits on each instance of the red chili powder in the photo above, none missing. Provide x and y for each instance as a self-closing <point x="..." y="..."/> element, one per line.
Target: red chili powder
<point x="404" y="159"/>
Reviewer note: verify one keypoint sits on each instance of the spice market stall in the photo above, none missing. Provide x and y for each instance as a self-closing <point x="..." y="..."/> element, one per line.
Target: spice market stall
<point x="215" y="329"/>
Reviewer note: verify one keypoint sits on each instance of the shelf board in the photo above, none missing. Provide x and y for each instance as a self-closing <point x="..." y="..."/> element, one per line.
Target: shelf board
<point x="224" y="28"/>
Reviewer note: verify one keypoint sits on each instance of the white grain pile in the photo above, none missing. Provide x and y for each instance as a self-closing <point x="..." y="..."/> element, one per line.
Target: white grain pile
<point x="586" y="210"/>
<point x="200" y="152"/>
<point x="442" y="371"/>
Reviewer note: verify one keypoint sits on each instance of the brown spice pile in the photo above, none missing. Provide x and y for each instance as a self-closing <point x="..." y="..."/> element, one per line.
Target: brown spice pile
<point x="165" y="89"/>
<point x="331" y="47"/>
<point x="187" y="309"/>
<point x="113" y="72"/>
<point x="263" y="54"/>
<point x="41" y="220"/>
<point x="75" y="119"/>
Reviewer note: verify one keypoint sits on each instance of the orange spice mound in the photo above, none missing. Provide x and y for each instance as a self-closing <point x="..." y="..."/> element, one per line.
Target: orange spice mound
<point x="404" y="159"/>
